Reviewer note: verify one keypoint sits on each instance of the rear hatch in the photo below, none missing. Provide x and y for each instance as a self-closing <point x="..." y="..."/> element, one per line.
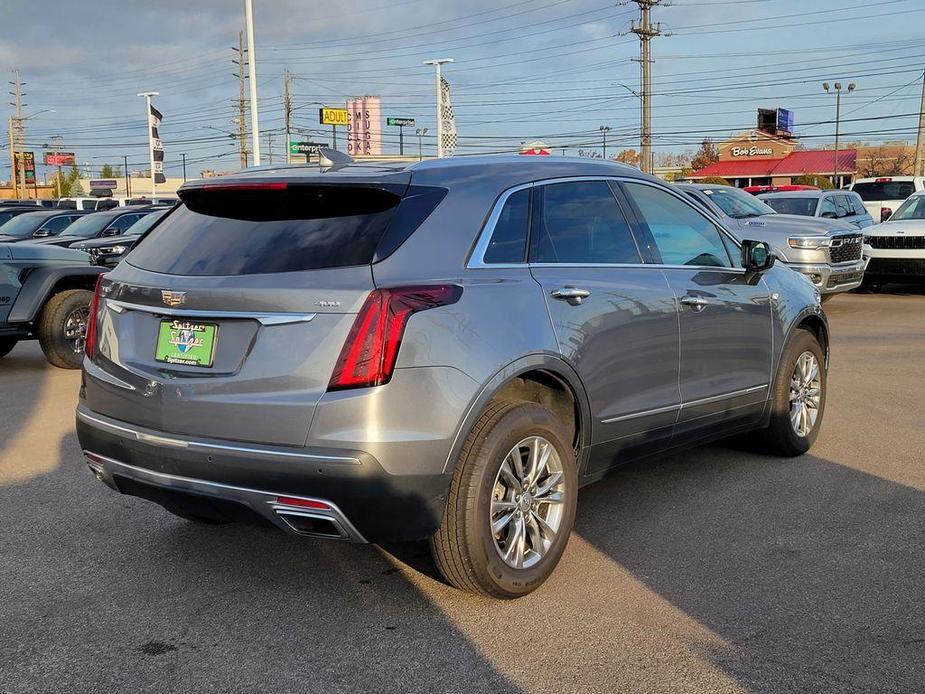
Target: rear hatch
<point x="227" y="319"/>
<point x="883" y="193"/>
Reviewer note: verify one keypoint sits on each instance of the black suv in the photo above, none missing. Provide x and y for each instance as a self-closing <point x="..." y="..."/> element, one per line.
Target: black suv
<point x="37" y="223"/>
<point x="114" y="222"/>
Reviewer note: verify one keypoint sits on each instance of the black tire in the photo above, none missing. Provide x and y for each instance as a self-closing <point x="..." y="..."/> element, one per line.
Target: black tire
<point x="6" y="346"/>
<point x="50" y="328"/>
<point x="464" y="547"/>
<point x="781" y="438"/>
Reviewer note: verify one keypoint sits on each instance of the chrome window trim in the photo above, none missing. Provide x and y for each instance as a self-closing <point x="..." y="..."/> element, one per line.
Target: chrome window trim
<point x="693" y="403"/>
<point x="264" y="317"/>
<point x="477" y="256"/>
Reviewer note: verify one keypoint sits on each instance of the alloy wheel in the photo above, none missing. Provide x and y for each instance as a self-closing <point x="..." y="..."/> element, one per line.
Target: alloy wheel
<point x="805" y="394"/>
<point x="528" y="502"/>
<point x="75" y="328"/>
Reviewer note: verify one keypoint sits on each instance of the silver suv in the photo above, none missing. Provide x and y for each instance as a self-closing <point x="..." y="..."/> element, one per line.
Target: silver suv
<point x="446" y="350"/>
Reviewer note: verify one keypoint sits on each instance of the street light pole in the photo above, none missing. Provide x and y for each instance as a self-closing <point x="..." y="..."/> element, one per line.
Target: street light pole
<point x="147" y="96"/>
<point x="128" y="184"/>
<point x="604" y="130"/>
<point x="252" y="78"/>
<point x="420" y="132"/>
<point x="183" y="156"/>
<point x="437" y="63"/>
<point x="851" y="87"/>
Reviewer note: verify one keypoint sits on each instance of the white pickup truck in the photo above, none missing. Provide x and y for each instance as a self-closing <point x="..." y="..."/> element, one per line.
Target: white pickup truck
<point x="883" y="195"/>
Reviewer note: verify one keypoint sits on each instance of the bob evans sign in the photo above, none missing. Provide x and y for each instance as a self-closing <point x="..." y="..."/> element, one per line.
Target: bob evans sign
<point x="752" y="151"/>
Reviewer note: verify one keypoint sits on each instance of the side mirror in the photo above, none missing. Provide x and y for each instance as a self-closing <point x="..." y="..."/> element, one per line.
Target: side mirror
<point x="41" y="233"/>
<point x="829" y="215"/>
<point x="757" y="256"/>
<point x="111" y="231"/>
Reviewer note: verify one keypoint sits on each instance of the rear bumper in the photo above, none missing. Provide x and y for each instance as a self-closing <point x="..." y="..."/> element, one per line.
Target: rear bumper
<point x="831" y="279"/>
<point x="335" y="493"/>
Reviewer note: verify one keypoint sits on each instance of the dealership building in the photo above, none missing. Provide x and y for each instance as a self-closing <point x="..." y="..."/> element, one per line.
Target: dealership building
<point x="770" y="155"/>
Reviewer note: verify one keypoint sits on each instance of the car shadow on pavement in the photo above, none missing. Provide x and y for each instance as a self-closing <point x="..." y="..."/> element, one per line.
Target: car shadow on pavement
<point x="104" y="592"/>
<point x="810" y="572"/>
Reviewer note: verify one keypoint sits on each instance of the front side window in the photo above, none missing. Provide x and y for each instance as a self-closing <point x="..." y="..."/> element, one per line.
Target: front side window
<point x="581" y="222"/>
<point x="843" y="207"/>
<point x="827" y="208"/>
<point x="856" y="204"/>
<point x="509" y="239"/>
<point x="681" y="234"/>
<point x="57" y="224"/>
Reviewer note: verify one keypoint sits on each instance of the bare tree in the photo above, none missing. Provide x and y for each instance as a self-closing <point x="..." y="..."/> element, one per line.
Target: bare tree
<point x="885" y="160"/>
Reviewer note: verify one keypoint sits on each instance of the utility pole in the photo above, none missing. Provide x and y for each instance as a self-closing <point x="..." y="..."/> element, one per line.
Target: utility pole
<point x="287" y="112"/>
<point x="252" y="77"/>
<point x="851" y="86"/>
<point x="13" y="177"/>
<point x="437" y="63"/>
<point x="646" y="32"/>
<point x="604" y="130"/>
<point x="183" y="156"/>
<point x="55" y="148"/>
<point x="128" y="181"/>
<point x="920" y="136"/>
<point x="269" y="147"/>
<point x="242" y="101"/>
<point x="20" y="134"/>
<point x="420" y="132"/>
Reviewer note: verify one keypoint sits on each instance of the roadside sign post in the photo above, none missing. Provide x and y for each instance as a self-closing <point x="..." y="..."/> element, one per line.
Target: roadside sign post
<point x="401" y="124"/>
<point x="305" y="148"/>
<point x="333" y="117"/>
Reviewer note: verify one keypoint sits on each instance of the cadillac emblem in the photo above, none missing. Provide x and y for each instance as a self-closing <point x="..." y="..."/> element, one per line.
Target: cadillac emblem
<point x="173" y="298"/>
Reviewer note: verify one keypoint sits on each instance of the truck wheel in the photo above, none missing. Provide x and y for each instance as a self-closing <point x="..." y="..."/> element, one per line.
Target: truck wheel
<point x="62" y="327"/>
<point x="511" y="505"/>
<point x="6" y="346"/>
<point x="798" y="398"/>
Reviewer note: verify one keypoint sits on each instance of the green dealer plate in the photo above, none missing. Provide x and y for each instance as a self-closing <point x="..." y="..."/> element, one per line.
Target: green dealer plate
<point x="186" y="342"/>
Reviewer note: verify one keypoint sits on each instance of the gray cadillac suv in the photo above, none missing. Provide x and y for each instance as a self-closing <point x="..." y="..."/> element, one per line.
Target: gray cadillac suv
<point x="447" y="350"/>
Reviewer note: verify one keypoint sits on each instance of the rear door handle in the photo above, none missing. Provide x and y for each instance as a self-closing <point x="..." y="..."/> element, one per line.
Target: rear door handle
<point x="572" y="295"/>
<point x="695" y="302"/>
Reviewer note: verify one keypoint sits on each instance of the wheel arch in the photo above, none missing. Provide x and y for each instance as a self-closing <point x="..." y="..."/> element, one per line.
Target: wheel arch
<point x="542" y="378"/>
<point x="43" y="282"/>
<point x="815" y="323"/>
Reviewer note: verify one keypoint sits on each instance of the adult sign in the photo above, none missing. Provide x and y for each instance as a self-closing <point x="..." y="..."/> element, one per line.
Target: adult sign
<point x="333" y="116"/>
<point x="59" y="158"/>
<point x="400" y="122"/>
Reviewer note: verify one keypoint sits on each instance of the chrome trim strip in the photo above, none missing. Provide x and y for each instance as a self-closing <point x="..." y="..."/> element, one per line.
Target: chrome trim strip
<point x="477" y="257"/>
<point x="264" y="317"/>
<point x="680" y="406"/>
<point x="192" y="443"/>
<point x="258" y="500"/>
<point x="634" y="415"/>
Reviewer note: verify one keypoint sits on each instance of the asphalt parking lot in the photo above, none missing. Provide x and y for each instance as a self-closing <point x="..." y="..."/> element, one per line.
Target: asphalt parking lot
<point x="717" y="570"/>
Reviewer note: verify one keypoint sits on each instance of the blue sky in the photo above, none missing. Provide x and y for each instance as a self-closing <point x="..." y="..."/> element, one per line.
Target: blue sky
<point x="525" y="69"/>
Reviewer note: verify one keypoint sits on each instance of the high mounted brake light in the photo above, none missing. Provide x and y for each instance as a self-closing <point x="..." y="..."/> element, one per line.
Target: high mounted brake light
<point x="368" y="356"/>
<point x="90" y="340"/>
<point x="268" y="185"/>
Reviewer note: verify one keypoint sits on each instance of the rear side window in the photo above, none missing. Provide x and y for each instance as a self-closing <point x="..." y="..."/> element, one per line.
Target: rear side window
<point x="509" y="239"/>
<point x="251" y="231"/>
<point x="582" y="223"/>
<point x="884" y="190"/>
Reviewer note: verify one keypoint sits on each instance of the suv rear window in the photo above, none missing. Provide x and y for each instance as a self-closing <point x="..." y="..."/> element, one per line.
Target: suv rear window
<point x="884" y="190"/>
<point x="244" y="231"/>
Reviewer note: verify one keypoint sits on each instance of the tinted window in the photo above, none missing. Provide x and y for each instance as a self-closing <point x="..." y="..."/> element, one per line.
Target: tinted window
<point x="124" y="222"/>
<point x="856" y="204"/>
<point x="22" y="225"/>
<point x="57" y="224"/>
<point x="737" y="203"/>
<point x="801" y="206"/>
<point x="509" y="239"/>
<point x="842" y="206"/>
<point x="582" y="223"/>
<point x="884" y="190"/>
<point x="240" y="232"/>
<point x="145" y="223"/>
<point x="682" y="235"/>
<point x="88" y="226"/>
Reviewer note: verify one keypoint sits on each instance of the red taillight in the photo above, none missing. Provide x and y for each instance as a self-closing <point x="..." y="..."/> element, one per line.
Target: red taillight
<point x="369" y="354"/>
<point x="303" y="503"/>
<point x="90" y="342"/>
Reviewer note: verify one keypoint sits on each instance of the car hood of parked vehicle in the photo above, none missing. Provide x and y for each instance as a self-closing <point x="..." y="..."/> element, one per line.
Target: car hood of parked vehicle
<point x="791" y="224"/>
<point x="105" y="241"/>
<point x="904" y="227"/>
<point x="32" y="251"/>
